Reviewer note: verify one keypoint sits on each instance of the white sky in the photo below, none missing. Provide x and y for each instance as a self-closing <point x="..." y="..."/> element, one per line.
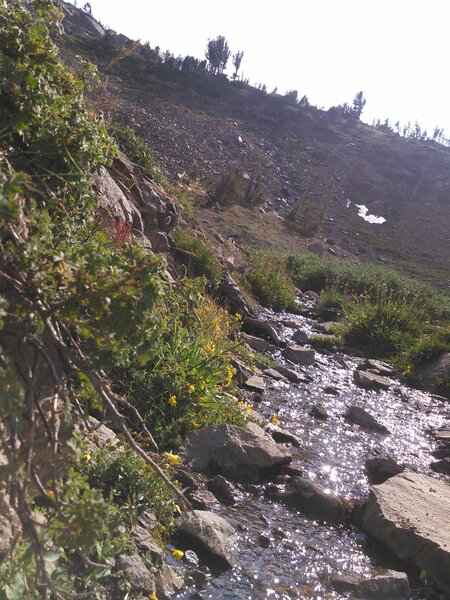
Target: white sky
<point x="396" y="51"/>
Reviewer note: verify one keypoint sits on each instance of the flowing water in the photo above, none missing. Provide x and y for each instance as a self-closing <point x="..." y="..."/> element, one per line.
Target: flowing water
<point x="303" y="555"/>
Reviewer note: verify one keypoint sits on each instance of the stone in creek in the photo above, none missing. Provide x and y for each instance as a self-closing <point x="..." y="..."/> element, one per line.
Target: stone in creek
<point x="410" y="515"/>
<point x="285" y="437"/>
<point x="299" y="356"/>
<point x="202" y="499"/>
<point x="275" y="374"/>
<point x="223" y="490"/>
<point x="256" y="384"/>
<point x="239" y="454"/>
<point x="300" y="337"/>
<point x="263" y="541"/>
<point x="146" y="543"/>
<point x="136" y="573"/>
<point x="443" y="435"/>
<point x="391" y="585"/>
<point x="294" y="376"/>
<point x="328" y="327"/>
<point x="441" y="466"/>
<point x="380" y="468"/>
<point x="257" y="327"/>
<point x="370" y="380"/>
<point x="257" y="344"/>
<point x="378" y="366"/>
<point x="361" y="417"/>
<point x="312" y="500"/>
<point x="329" y="389"/>
<point x="441" y="453"/>
<point x="209" y="533"/>
<point x="168" y="582"/>
<point x="318" y="411"/>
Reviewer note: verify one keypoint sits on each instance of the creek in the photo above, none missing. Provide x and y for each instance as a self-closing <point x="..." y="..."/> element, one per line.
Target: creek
<point x="281" y="555"/>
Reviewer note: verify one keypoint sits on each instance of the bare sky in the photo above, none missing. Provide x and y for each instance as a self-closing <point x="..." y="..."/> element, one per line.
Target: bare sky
<point x="396" y="51"/>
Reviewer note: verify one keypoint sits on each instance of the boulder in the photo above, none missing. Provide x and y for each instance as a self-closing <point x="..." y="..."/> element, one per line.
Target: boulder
<point x="202" y="499"/>
<point x="257" y="327"/>
<point x="441" y="466"/>
<point x="274" y="374"/>
<point x="390" y="585"/>
<point x="380" y="468"/>
<point x="235" y="300"/>
<point x="255" y="383"/>
<point x="293" y="376"/>
<point x="298" y="355"/>
<point x="79" y="22"/>
<point x="370" y="381"/>
<point x="312" y="500"/>
<point x="257" y="343"/>
<point x="378" y="366"/>
<point x="328" y="327"/>
<point x="223" y="490"/>
<point x="300" y="337"/>
<point x="285" y="437"/>
<point x="437" y="370"/>
<point x="361" y="417"/>
<point x="208" y="533"/>
<point x="410" y="515"/>
<point x="168" y="582"/>
<point x="239" y="454"/>
<point x="318" y="411"/>
<point x="146" y="543"/>
<point x="136" y="573"/>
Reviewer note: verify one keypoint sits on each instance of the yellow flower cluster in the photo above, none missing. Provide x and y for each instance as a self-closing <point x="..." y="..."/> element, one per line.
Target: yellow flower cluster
<point x="190" y="388"/>
<point x="173" y="459"/>
<point x="230" y="373"/>
<point x="172" y="401"/>
<point x="177" y="554"/>
<point x="275" y="420"/>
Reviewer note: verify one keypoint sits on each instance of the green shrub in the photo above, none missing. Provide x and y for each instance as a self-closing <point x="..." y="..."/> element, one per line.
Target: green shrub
<point x="324" y="342"/>
<point x="200" y="259"/>
<point x="268" y="280"/>
<point x="330" y="300"/>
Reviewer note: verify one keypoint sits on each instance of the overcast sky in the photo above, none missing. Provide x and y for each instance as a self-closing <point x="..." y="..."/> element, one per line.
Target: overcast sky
<point x="396" y="51"/>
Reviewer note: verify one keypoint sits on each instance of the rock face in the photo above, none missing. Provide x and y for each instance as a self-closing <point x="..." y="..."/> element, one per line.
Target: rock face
<point x="239" y="454"/>
<point x="209" y="533"/>
<point x="299" y="356"/>
<point x="370" y="381"/>
<point x="361" y="417"/>
<point x="136" y="573"/>
<point x="410" y="514"/>
<point x="307" y="496"/>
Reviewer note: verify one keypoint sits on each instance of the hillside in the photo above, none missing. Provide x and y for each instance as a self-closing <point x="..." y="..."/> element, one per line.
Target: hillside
<point x="200" y="127"/>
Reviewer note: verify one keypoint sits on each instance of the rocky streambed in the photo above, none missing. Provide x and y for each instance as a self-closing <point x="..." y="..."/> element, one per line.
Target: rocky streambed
<point x="342" y="496"/>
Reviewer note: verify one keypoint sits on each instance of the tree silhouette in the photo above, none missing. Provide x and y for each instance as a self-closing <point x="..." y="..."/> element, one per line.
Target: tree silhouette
<point x="359" y="103"/>
<point x="217" y="53"/>
<point x="237" y="59"/>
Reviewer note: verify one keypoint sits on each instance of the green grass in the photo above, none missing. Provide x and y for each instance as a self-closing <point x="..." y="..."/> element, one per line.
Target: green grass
<point x="198" y="257"/>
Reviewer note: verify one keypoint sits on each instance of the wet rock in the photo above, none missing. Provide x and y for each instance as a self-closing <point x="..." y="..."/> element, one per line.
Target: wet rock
<point x="274" y="374"/>
<point x="136" y="573"/>
<point x="285" y="437"/>
<point x="310" y="295"/>
<point x="256" y="343"/>
<point x="380" y="468"/>
<point x="223" y="490"/>
<point x="168" y="582"/>
<point x="299" y="356"/>
<point x="378" y="366"/>
<point x="361" y="417"/>
<point x="190" y="558"/>
<point x="209" y="533"/>
<point x="371" y="381"/>
<point x="441" y="453"/>
<point x="409" y="514"/>
<point x="441" y="466"/>
<point x="391" y="585"/>
<point x="443" y="435"/>
<point x="291" y="323"/>
<point x="328" y="327"/>
<point x="300" y="337"/>
<point x="318" y="411"/>
<point x="240" y="454"/>
<point x="263" y="541"/>
<point x="257" y="327"/>
<point x="255" y="384"/>
<point x="147" y="520"/>
<point x="329" y="389"/>
<point x="435" y="371"/>
<point x="202" y="499"/>
<point x="145" y="543"/>
<point x="312" y="500"/>
<point x="292" y="471"/>
<point x="293" y="376"/>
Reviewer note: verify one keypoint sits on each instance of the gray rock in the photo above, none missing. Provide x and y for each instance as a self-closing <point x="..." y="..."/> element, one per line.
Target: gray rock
<point x="146" y="543"/>
<point x="202" y="499"/>
<point x="293" y="376"/>
<point x="264" y="541"/>
<point x="291" y="323"/>
<point x="256" y="384"/>
<point x="378" y="366"/>
<point x="380" y="468"/>
<point x="208" y="533"/>
<point x="256" y="343"/>
<point x="285" y="437"/>
<point x="311" y="499"/>
<point x="318" y="411"/>
<point x="410" y="514"/>
<point x="316" y="249"/>
<point x="79" y="22"/>
<point x="168" y="582"/>
<point x="235" y="299"/>
<point x="443" y="435"/>
<point x="223" y="490"/>
<point x="435" y="371"/>
<point x="310" y="295"/>
<point x="388" y="586"/>
<point x="329" y="389"/>
<point x="299" y="356"/>
<point x="371" y="381"/>
<point x="136" y="573"/>
<point x="441" y="466"/>
<point x="257" y="327"/>
<point x="275" y="374"/>
<point x="300" y="337"/>
<point x="237" y="453"/>
<point x="327" y="327"/>
<point x="361" y="417"/>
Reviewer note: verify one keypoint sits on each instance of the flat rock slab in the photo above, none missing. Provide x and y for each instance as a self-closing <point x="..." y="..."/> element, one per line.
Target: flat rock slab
<point x="208" y="532"/>
<point x="379" y="366"/>
<point x="410" y="514"/>
<point x="239" y="454"/>
<point x="274" y="374"/>
<point x="300" y="337"/>
<point x="361" y="417"/>
<point x="299" y="356"/>
<point x="371" y="381"/>
<point x="256" y="384"/>
<point x="257" y="327"/>
<point x="293" y="376"/>
<point x="257" y="343"/>
<point x="386" y="586"/>
<point x="441" y="466"/>
<point x="312" y="500"/>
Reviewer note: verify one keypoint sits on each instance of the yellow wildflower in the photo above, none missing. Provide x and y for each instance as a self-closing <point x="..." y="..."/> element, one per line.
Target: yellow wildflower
<point x="177" y="554"/>
<point x="153" y="596"/>
<point x="50" y="494"/>
<point x="161" y="528"/>
<point x="202" y="384"/>
<point x="172" y="401"/>
<point x="87" y="457"/>
<point x="248" y="409"/>
<point x="240" y="403"/>
<point x="275" y="420"/>
<point x="190" y="388"/>
<point x="195" y="425"/>
<point x="173" y="459"/>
